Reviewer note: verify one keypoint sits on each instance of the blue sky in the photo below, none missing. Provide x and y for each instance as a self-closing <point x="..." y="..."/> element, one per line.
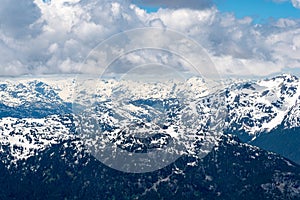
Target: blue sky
<point x="259" y="10"/>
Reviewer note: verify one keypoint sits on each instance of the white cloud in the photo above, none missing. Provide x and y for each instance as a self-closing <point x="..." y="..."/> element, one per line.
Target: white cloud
<point x="56" y="37"/>
<point x="57" y="32"/>
<point x="238" y="46"/>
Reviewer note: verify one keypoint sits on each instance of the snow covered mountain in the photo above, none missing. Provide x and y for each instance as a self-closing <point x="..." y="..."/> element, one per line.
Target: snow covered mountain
<point x="265" y="113"/>
<point x="253" y="108"/>
<point x="39" y="134"/>
<point x="30" y="99"/>
<point x="260" y="106"/>
<point x="26" y="137"/>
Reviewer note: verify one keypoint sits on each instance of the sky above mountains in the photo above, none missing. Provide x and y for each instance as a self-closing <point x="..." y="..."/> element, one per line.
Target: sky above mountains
<point x="249" y="37"/>
<point x="257" y="9"/>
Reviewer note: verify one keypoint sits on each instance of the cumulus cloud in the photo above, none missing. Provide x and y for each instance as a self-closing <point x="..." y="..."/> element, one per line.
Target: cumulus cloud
<point x="55" y="36"/>
<point x="238" y="46"/>
<point x="42" y="37"/>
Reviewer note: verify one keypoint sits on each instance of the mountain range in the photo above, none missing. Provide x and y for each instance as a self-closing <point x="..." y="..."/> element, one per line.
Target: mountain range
<point x="255" y="153"/>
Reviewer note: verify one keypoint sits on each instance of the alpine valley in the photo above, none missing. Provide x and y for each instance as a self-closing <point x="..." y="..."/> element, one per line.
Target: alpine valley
<point x="255" y="152"/>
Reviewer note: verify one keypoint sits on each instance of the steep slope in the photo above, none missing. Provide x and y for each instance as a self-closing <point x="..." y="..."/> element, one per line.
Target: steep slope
<point x="266" y="114"/>
<point x="260" y="106"/>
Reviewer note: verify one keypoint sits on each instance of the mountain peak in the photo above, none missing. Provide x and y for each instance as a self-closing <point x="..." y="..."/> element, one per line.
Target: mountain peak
<point x="286" y="77"/>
